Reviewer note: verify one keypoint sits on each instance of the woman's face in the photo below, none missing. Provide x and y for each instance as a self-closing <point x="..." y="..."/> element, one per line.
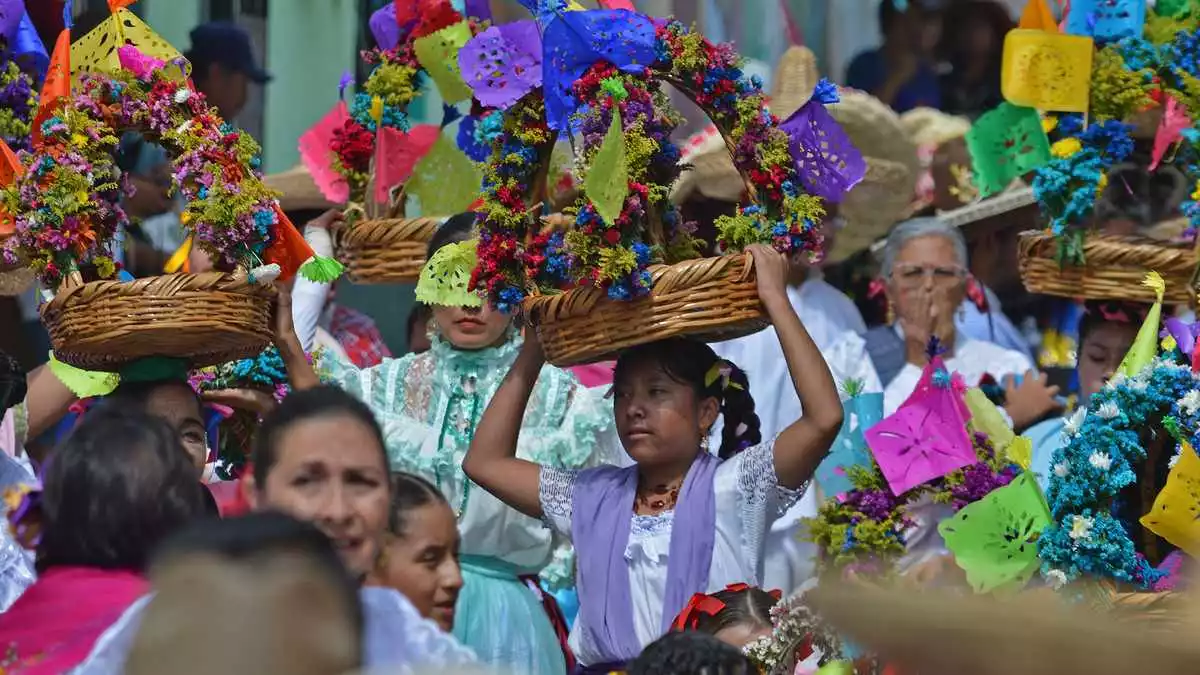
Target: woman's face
<point x="659" y="420"/>
<point x="927" y="284"/>
<point x="177" y="405"/>
<point x="1100" y="355"/>
<point x="422" y="562"/>
<point x="471" y="328"/>
<point x="330" y="471"/>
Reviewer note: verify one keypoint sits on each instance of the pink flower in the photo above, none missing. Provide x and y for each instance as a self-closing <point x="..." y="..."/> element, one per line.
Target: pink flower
<point x="133" y="60"/>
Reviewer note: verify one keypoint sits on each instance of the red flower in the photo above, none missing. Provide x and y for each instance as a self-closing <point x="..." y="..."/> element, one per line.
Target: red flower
<point x="435" y="15"/>
<point x="354" y="146"/>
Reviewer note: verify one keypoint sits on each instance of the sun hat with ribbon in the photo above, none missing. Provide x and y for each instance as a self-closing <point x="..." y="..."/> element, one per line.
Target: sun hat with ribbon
<point x="299" y="190"/>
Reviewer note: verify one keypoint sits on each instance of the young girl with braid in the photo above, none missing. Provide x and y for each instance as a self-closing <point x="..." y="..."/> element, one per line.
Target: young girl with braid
<point x="681" y="520"/>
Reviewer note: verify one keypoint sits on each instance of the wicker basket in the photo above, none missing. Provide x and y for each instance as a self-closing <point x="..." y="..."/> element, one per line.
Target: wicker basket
<point x="710" y="299"/>
<point x="207" y="318"/>
<point x="386" y="250"/>
<point x="1114" y="270"/>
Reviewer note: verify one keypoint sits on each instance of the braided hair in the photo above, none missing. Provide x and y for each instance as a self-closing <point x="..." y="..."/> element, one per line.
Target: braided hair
<point x="694" y="363"/>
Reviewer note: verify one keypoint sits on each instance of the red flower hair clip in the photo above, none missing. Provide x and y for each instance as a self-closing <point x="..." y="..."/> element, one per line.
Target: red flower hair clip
<point x="703" y="604"/>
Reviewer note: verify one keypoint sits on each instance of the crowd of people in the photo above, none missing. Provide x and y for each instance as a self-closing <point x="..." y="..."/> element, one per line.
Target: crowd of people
<point x="466" y="505"/>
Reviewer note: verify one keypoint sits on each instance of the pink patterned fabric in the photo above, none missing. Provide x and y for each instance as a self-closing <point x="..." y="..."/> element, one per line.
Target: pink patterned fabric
<point x="359" y="336"/>
<point x="594" y="374"/>
<point x="53" y="626"/>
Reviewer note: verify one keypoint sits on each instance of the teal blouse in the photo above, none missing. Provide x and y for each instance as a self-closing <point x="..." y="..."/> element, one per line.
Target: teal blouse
<point x="429" y="406"/>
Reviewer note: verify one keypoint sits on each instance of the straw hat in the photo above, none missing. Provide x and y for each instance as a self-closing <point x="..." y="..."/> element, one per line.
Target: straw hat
<point x="15" y="279"/>
<point x="885" y="193"/>
<point x="300" y="192"/>
<point x="929" y="126"/>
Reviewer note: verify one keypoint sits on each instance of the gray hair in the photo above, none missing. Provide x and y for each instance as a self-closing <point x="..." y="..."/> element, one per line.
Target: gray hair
<point x="915" y="228"/>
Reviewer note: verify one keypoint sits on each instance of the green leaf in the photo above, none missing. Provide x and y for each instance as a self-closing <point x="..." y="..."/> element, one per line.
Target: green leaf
<point x="607" y="182"/>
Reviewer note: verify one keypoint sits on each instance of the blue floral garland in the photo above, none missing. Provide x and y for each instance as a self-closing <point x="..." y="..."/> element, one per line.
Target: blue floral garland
<point x="1100" y="460"/>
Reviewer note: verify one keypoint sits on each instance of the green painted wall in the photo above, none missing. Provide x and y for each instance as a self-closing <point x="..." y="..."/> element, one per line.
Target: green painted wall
<point x="173" y="19"/>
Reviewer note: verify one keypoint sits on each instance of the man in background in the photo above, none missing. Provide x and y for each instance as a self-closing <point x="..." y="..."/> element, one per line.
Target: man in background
<point x="223" y="67"/>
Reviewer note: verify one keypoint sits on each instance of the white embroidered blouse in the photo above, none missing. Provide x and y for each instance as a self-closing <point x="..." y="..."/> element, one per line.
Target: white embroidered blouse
<point x="748" y="499"/>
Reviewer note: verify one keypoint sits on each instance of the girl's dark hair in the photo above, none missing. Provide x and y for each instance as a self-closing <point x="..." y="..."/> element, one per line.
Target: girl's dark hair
<point x="691" y="653"/>
<point x="115" y="488"/>
<point x="255" y="538"/>
<point x="1097" y="313"/>
<point x="13" y="385"/>
<point x="318" y="402"/>
<point x="457" y="228"/>
<point x="749" y="606"/>
<point x="409" y="492"/>
<point x="689" y="362"/>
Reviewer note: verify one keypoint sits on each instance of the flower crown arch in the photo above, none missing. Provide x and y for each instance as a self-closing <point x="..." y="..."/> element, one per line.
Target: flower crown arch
<point x="65" y="199"/>
<point x="611" y="243"/>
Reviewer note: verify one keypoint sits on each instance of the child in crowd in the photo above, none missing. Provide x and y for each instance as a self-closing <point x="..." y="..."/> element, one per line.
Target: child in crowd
<point x="737" y="615"/>
<point x="420" y="556"/>
<point x="680" y="520"/>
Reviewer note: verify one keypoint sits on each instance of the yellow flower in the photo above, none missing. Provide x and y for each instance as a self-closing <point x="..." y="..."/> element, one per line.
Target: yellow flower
<point x="1168" y="343"/>
<point x="1049" y="123"/>
<point x="1102" y="183"/>
<point x="1196" y="192"/>
<point x="185" y="217"/>
<point x="78" y="139"/>
<point x="1066" y="147"/>
<point x="105" y="267"/>
<point x="377" y="109"/>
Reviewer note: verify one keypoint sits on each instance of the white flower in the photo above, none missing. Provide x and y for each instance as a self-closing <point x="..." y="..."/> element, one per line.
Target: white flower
<point x="1116" y="381"/>
<point x="1056" y="578"/>
<point x="182" y="95"/>
<point x="1174" y="459"/>
<point x="1081" y="527"/>
<point x="1138" y="383"/>
<point x="1190" y="402"/>
<point x="1072" y="425"/>
<point x="1108" y="411"/>
<point x="183" y="127"/>
<point x="1100" y="460"/>
<point x="1062" y="469"/>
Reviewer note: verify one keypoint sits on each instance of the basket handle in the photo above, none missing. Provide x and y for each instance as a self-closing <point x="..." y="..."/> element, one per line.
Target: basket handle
<point x="747" y="266"/>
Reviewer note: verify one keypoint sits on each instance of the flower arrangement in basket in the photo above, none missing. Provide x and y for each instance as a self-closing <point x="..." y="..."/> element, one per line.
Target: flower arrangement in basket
<point x="368" y="156"/>
<point x="1113" y="67"/>
<point x="65" y="200"/>
<point x="264" y="374"/>
<point x="946" y="452"/>
<point x="626" y="269"/>
<point x="22" y="59"/>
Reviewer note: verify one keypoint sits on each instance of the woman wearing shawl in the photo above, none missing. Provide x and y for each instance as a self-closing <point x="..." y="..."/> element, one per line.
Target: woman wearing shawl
<point x="429" y="406"/>
<point x="129" y="468"/>
<point x="681" y="521"/>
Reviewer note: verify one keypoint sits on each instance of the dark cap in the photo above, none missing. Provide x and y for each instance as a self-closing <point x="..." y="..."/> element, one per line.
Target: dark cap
<point x="228" y="44"/>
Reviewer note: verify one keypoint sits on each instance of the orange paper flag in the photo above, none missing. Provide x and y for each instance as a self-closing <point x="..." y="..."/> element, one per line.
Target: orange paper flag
<point x="114" y="5"/>
<point x="289" y="250"/>
<point x="397" y="153"/>
<point x="57" y="88"/>
<point x="1037" y="16"/>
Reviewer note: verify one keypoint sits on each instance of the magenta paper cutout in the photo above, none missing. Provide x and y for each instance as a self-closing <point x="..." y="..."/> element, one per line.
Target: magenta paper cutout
<point x="316" y="153"/>
<point x="1174" y="121"/>
<point x="133" y="60"/>
<point x="827" y="162"/>
<point x="503" y="63"/>
<point x="396" y="153"/>
<point x="925" y="439"/>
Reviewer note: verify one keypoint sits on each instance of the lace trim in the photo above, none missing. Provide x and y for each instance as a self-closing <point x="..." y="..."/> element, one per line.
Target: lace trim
<point x="651" y="526"/>
<point x="555" y="490"/>
<point x="757" y="485"/>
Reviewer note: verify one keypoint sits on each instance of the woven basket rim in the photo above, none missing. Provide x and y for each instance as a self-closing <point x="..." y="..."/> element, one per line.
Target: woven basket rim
<point x="990" y="207"/>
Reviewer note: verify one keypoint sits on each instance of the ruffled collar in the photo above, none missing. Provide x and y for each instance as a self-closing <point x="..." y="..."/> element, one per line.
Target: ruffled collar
<point x="448" y="356"/>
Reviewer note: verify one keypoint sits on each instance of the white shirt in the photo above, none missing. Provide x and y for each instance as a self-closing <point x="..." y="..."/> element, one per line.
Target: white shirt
<point x="748" y="498"/>
<point x="972" y="359"/>
<point x="394" y="636"/>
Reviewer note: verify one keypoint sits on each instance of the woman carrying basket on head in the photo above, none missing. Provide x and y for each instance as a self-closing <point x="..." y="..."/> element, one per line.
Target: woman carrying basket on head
<point x="430" y="405"/>
<point x="681" y="520"/>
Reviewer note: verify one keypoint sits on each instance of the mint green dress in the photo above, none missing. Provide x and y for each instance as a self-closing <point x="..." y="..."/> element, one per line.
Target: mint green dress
<point x="429" y="406"/>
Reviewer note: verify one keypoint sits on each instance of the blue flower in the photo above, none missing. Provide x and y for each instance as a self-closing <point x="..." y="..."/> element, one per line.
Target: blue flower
<point x="826" y="92"/>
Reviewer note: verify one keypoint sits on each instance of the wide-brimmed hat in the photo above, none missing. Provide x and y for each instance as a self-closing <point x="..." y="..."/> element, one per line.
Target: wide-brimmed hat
<point x="14" y="279"/>
<point x="299" y="191"/>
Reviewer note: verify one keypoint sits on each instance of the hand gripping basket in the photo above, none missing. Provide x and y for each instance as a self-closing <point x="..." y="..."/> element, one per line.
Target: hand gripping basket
<point x="709" y="299"/>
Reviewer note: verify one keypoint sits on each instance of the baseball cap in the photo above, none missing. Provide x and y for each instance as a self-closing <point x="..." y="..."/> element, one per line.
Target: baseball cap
<point x="228" y="44"/>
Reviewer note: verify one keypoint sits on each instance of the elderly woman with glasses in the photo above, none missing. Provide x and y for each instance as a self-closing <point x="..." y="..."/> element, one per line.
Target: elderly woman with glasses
<point x="925" y="277"/>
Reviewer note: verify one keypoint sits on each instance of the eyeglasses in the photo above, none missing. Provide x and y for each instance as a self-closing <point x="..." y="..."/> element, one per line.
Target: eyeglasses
<point x="908" y="275"/>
